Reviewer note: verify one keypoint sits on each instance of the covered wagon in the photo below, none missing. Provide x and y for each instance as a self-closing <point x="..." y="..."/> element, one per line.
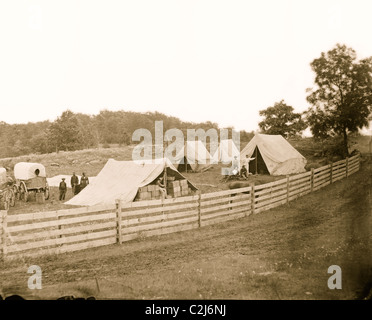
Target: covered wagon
<point x="30" y="177"/>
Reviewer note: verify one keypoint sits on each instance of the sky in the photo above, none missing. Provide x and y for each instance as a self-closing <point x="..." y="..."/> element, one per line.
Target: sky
<point x="198" y="60"/>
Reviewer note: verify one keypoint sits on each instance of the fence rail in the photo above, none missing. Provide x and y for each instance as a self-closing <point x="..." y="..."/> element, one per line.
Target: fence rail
<point x="54" y="232"/>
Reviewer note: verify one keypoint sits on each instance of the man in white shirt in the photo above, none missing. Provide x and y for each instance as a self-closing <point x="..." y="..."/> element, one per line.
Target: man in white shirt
<point x="246" y="162"/>
<point x="235" y="166"/>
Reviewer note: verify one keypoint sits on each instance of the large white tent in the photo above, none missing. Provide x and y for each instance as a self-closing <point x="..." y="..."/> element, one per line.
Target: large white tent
<point x="121" y="180"/>
<point x="226" y="151"/>
<point x="193" y="154"/>
<point x="274" y="155"/>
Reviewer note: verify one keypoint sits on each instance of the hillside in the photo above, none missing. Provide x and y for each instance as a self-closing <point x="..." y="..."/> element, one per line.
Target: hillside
<point x="91" y="161"/>
<point x="279" y="254"/>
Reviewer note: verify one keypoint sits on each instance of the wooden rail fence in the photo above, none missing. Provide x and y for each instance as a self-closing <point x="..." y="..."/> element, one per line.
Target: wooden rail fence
<point x="55" y="232"/>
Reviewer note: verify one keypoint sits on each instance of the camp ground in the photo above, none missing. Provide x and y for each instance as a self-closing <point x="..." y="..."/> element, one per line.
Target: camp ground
<point x="226" y="151"/>
<point x="130" y="181"/>
<point x="200" y="218"/>
<point x="273" y="155"/>
<point x="193" y="156"/>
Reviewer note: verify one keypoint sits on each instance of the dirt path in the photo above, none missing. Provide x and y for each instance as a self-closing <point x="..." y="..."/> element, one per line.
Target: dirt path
<point x="283" y="253"/>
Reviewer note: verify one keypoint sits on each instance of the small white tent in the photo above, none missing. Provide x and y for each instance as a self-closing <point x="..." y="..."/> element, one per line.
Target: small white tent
<point x="226" y="151"/>
<point x="274" y="155"/>
<point x="54" y="181"/>
<point x="121" y="180"/>
<point x="194" y="155"/>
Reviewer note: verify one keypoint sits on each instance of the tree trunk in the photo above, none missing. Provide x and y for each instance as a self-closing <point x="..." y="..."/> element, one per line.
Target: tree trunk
<point x="346" y="149"/>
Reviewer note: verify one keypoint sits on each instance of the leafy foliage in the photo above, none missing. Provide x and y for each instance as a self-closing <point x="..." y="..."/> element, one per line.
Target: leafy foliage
<point x="280" y="119"/>
<point x="75" y="131"/>
<point x="65" y="133"/>
<point x="342" y="99"/>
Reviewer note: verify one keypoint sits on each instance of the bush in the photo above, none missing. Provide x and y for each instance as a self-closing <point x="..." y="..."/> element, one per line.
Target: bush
<point x="312" y="165"/>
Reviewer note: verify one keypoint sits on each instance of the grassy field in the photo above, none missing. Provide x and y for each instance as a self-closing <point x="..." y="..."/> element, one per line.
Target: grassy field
<point x="283" y="253"/>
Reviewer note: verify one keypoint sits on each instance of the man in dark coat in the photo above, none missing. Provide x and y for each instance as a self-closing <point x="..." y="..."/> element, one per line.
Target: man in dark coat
<point x="74" y="183"/>
<point x="243" y="172"/>
<point x="84" y="181"/>
<point x="62" y="189"/>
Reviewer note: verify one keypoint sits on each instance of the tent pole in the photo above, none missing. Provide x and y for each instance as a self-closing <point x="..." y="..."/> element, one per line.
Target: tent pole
<point x="256" y="159"/>
<point x="165" y="177"/>
<point x="185" y="150"/>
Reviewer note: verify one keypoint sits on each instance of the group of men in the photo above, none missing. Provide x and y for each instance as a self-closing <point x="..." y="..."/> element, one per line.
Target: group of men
<point x="75" y="185"/>
<point x="243" y="172"/>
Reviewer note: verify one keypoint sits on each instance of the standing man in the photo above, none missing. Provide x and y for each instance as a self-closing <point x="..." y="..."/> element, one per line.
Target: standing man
<point x="246" y="162"/>
<point x="84" y="181"/>
<point x="62" y="189"/>
<point x="74" y="183"/>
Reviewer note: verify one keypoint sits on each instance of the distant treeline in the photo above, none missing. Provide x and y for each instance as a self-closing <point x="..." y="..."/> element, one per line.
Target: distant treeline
<point x="77" y="131"/>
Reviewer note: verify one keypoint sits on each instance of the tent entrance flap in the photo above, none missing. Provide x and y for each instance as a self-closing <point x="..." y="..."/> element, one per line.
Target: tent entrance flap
<point x="184" y="166"/>
<point x="258" y="166"/>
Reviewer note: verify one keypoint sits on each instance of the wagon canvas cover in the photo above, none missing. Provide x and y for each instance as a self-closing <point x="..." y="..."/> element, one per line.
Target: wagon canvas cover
<point x="121" y="180"/>
<point x="27" y="170"/>
<point x="3" y="176"/>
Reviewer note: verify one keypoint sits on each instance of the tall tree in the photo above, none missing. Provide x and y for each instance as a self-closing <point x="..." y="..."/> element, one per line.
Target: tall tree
<point x="342" y="98"/>
<point x="281" y="119"/>
<point x="65" y="133"/>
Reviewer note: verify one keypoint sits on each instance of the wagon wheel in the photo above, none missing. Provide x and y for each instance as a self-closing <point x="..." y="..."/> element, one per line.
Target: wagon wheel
<point x="16" y="191"/>
<point x="6" y="199"/>
<point x="6" y="204"/>
<point x="23" y="191"/>
<point x="12" y="199"/>
<point x="46" y="191"/>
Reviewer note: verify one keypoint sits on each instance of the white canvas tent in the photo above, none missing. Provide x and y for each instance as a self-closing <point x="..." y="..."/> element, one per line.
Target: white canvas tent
<point x="194" y="155"/>
<point x="274" y="155"/>
<point x="54" y="181"/>
<point x="226" y="151"/>
<point x="121" y="180"/>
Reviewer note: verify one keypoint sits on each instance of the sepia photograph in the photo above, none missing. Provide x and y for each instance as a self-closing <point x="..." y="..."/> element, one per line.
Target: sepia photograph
<point x="185" y="155"/>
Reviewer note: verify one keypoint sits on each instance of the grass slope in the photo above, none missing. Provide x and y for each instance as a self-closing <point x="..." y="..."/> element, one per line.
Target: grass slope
<point x="283" y="253"/>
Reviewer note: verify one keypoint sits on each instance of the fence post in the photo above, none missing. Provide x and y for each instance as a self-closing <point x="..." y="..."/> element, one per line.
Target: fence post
<point x="59" y="226"/>
<point x="4" y="225"/>
<point x="118" y="221"/>
<point x="331" y="172"/>
<point x="312" y="180"/>
<point x="199" y="208"/>
<point x="253" y="199"/>
<point x="347" y="167"/>
<point x="287" y="188"/>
